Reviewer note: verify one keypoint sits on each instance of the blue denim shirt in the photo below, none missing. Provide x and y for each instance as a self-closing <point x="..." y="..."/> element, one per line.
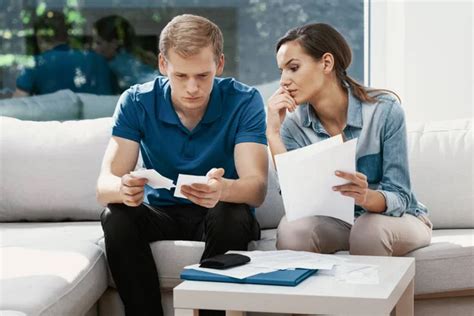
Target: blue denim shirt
<point x="381" y="152"/>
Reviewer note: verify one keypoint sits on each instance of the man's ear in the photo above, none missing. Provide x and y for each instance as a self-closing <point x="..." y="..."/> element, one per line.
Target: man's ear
<point x="162" y="65"/>
<point x="328" y="62"/>
<point x="220" y="65"/>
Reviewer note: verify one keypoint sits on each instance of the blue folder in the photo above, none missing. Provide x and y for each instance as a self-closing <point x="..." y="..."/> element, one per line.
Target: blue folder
<point x="280" y="277"/>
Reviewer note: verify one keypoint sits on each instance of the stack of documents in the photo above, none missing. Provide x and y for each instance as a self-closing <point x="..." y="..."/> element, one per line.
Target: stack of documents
<point x="286" y="267"/>
<point x="283" y="267"/>
<point x="307" y="175"/>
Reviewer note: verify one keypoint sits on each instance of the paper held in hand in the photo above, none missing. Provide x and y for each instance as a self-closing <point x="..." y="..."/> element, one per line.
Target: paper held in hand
<point x="307" y="175"/>
<point x="155" y="180"/>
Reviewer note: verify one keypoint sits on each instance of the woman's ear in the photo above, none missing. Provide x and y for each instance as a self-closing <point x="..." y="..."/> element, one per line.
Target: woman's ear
<point x="220" y="65"/>
<point x="162" y="65"/>
<point x="328" y="62"/>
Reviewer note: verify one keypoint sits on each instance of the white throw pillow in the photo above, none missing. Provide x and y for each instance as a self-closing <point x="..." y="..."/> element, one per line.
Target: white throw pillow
<point x="48" y="170"/>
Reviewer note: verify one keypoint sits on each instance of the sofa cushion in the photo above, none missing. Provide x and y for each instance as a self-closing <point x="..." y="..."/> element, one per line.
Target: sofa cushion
<point x="447" y="264"/>
<point x="60" y="105"/>
<point x="66" y="280"/>
<point x="51" y="268"/>
<point x="49" y="234"/>
<point x="95" y="106"/>
<point x="48" y="170"/>
<point x="442" y="173"/>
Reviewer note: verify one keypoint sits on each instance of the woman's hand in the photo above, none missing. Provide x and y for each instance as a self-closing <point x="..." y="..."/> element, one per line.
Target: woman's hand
<point x="358" y="187"/>
<point x="278" y="103"/>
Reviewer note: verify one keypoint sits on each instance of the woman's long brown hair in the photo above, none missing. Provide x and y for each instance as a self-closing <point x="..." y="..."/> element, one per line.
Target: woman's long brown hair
<point x="320" y="38"/>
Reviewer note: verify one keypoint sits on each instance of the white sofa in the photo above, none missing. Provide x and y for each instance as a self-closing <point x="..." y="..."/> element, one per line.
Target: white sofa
<point x="52" y="250"/>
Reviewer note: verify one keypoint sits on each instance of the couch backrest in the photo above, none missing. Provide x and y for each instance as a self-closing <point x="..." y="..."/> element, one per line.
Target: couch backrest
<point x="96" y="106"/>
<point x="441" y="168"/>
<point x="48" y="171"/>
<point x="61" y="105"/>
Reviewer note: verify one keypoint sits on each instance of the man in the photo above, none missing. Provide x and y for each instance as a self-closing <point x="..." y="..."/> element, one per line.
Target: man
<point x="189" y="123"/>
<point x="58" y="66"/>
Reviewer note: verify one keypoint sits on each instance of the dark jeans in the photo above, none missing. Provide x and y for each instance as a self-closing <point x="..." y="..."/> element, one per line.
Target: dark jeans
<point x="128" y="232"/>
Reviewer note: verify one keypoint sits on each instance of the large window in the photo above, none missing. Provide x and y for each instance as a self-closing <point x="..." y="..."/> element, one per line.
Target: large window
<point x="251" y="29"/>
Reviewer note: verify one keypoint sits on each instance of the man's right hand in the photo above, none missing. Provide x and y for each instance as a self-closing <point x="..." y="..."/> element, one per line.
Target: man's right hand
<point x="132" y="190"/>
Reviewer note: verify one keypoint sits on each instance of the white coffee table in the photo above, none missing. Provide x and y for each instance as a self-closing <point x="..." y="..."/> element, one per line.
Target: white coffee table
<point x="319" y="294"/>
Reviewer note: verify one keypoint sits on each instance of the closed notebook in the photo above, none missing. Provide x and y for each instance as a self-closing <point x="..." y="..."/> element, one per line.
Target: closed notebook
<point x="280" y="277"/>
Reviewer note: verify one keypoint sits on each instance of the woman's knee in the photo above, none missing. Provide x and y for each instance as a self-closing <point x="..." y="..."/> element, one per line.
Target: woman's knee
<point x="369" y="236"/>
<point x="299" y="235"/>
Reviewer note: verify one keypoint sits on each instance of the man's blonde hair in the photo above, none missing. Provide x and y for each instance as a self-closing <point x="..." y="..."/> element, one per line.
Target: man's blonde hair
<point x="188" y="34"/>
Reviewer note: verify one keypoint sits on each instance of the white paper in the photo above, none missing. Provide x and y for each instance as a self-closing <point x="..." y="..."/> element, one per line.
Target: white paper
<point x="155" y="180"/>
<point x="354" y="273"/>
<point x="269" y="261"/>
<point x="342" y="269"/>
<point x="306" y="177"/>
<point x="186" y="179"/>
<point x="240" y="272"/>
<point x="289" y="259"/>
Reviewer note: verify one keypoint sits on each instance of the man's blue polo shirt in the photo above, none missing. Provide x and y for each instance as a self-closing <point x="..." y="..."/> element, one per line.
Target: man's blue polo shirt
<point x="65" y="68"/>
<point x="144" y="114"/>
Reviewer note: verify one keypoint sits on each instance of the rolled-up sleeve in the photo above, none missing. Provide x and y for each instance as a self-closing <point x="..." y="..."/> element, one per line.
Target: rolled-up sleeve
<point x="252" y="125"/>
<point x="395" y="184"/>
<point x="287" y="135"/>
<point x="127" y="118"/>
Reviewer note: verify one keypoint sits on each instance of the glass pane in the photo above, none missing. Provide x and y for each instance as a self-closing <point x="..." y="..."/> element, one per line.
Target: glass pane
<point x="251" y="29"/>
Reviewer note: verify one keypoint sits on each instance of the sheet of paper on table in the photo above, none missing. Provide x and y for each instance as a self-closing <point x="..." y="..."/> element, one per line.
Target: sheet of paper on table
<point x="354" y="273"/>
<point x="269" y="261"/>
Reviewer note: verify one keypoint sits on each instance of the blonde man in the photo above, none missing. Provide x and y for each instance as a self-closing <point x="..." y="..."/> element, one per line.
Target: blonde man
<point x="189" y="122"/>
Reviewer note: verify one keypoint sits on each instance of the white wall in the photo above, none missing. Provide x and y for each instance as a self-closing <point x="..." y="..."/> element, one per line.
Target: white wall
<point x="423" y="50"/>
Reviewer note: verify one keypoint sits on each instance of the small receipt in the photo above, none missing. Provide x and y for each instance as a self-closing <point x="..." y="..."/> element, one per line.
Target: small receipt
<point x="186" y="179"/>
<point x="155" y="180"/>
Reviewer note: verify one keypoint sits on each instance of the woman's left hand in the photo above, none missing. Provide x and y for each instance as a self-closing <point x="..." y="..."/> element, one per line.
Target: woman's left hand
<point x="358" y="187"/>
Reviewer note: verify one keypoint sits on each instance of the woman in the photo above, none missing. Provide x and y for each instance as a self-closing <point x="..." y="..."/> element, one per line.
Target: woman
<point x="324" y="101"/>
<point x="114" y="38"/>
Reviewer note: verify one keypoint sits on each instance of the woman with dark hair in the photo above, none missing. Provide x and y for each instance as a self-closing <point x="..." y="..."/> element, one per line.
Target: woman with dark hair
<point x="323" y="101"/>
<point x="114" y="38"/>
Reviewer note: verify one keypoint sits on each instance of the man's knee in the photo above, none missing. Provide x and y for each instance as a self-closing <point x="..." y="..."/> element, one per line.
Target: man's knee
<point x="228" y="219"/>
<point x="116" y="219"/>
<point x="228" y="215"/>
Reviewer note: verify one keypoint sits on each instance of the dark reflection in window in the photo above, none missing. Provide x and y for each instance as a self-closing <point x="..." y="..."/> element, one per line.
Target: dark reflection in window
<point x="57" y="66"/>
<point x="251" y="29"/>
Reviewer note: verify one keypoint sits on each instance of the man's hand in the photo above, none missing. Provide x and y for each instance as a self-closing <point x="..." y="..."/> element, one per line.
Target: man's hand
<point x="206" y="195"/>
<point x="132" y="190"/>
<point x="357" y="189"/>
